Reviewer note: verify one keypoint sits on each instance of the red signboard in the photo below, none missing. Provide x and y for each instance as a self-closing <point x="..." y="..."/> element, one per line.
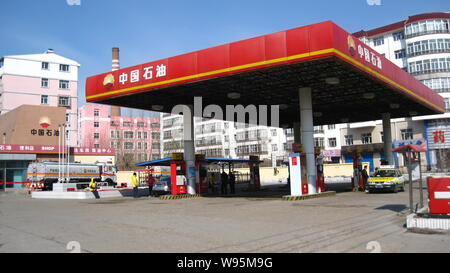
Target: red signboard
<point x="51" y="149"/>
<point x="439" y="195"/>
<point x="295" y="45"/>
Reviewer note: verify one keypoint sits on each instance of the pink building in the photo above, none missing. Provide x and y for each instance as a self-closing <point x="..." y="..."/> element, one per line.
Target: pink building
<point x="133" y="137"/>
<point x="41" y="79"/>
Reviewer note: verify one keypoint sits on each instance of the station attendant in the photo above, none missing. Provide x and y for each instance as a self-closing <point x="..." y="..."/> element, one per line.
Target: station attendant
<point x="365" y="177"/>
<point x="93" y="188"/>
<point x="135" y="185"/>
<point x="224" y="182"/>
<point x="232" y="181"/>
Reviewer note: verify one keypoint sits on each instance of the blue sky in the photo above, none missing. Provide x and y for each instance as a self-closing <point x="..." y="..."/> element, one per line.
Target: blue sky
<point x="147" y="30"/>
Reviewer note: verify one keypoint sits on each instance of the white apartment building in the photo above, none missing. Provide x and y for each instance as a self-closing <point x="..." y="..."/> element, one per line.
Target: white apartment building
<point x="218" y="138"/>
<point x="41" y="79"/>
<point x="421" y="46"/>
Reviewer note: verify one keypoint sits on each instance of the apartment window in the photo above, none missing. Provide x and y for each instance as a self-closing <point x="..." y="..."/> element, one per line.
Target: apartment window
<point x="44" y="99"/>
<point x="156" y="135"/>
<point x="332" y="142"/>
<point x="407" y="134"/>
<point x="44" y="83"/>
<point x="274" y="147"/>
<point x="139" y="145"/>
<point x="113" y="134"/>
<point x="274" y="132"/>
<point x="96" y="135"/>
<point x="145" y="135"/>
<point x="227" y="138"/>
<point x="366" y="138"/>
<point x="378" y="41"/>
<point x="155" y="125"/>
<point x="141" y="124"/>
<point x="128" y="134"/>
<point x="348" y="140"/>
<point x="67" y="117"/>
<point x="63" y="84"/>
<point x="156" y="145"/>
<point x="64" y="68"/>
<point x="400" y="35"/>
<point x="127" y="124"/>
<point x="96" y="113"/>
<point x="96" y="145"/>
<point x="128" y="146"/>
<point x="45" y="66"/>
<point x="319" y="142"/>
<point x="400" y="54"/>
<point x="145" y="146"/>
<point x="331" y="127"/>
<point x="447" y="103"/>
<point x="96" y="124"/>
<point x="64" y="101"/>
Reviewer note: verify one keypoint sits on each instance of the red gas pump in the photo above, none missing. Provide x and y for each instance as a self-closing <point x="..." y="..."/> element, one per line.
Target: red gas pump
<point x="357" y="179"/>
<point x="178" y="175"/>
<point x="201" y="172"/>
<point x="320" y="184"/>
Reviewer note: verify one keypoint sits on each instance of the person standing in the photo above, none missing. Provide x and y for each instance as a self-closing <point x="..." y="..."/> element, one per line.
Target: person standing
<point x="224" y="182"/>
<point x="135" y="185"/>
<point x="150" y="182"/>
<point x="232" y="182"/>
<point x="93" y="188"/>
<point x="365" y="177"/>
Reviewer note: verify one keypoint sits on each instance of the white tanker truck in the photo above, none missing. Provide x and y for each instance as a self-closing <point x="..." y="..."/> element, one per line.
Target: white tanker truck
<point x="42" y="175"/>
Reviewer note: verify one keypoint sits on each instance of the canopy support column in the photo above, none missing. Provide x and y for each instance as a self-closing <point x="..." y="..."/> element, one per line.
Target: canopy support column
<point x="387" y="134"/>
<point x="189" y="149"/>
<point x="307" y="132"/>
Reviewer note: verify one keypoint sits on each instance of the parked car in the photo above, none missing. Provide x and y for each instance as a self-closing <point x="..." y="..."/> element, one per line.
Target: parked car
<point x="163" y="186"/>
<point x="387" y="179"/>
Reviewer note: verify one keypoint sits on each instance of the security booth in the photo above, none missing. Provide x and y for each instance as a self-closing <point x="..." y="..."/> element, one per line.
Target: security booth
<point x="412" y="157"/>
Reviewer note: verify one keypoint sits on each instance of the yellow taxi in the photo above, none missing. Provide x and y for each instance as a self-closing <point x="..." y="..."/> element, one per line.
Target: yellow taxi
<point x="386" y="178"/>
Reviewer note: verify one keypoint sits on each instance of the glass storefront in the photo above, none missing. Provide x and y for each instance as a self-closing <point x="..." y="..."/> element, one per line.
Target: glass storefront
<point x="13" y="171"/>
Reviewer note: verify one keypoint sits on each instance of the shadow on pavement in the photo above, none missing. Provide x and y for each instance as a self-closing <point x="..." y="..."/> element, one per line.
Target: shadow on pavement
<point x="393" y="207"/>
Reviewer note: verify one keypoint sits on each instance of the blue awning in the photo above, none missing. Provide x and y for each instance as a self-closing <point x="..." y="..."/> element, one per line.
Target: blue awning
<point x="166" y="161"/>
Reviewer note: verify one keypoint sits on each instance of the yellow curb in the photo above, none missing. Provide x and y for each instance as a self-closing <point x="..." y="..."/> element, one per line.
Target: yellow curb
<point x="306" y="197"/>
<point x="175" y="197"/>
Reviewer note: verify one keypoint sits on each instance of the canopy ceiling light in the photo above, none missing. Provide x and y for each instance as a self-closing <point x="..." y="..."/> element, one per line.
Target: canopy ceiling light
<point x="344" y="120"/>
<point x="413" y="113"/>
<point x="394" y="106"/>
<point x="157" y="107"/>
<point x="234" y="95"/>
<point x="317" y="114"/>
<point x="284" y="106"/>
<point x="369" y="96"/>
<point x="332" y="81"/>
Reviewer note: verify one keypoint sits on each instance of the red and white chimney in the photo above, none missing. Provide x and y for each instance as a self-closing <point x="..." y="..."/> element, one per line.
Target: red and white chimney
<point x="115" y="110"/>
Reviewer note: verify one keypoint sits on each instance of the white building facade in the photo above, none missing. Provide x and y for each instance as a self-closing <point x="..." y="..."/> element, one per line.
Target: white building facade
<point x="421" y="46"/>
<point x="41" y="79"/>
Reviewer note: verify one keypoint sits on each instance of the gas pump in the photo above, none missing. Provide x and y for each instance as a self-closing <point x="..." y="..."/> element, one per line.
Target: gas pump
<point x="357" y="180"/>
<point x="201" y="172"/>
<point x="178" y="174"/>
<point x="255" y="182"/>
<point x="320" y="176"/>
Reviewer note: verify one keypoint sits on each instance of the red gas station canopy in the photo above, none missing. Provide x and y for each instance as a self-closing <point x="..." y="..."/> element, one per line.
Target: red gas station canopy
<point x="268" y="70"/>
